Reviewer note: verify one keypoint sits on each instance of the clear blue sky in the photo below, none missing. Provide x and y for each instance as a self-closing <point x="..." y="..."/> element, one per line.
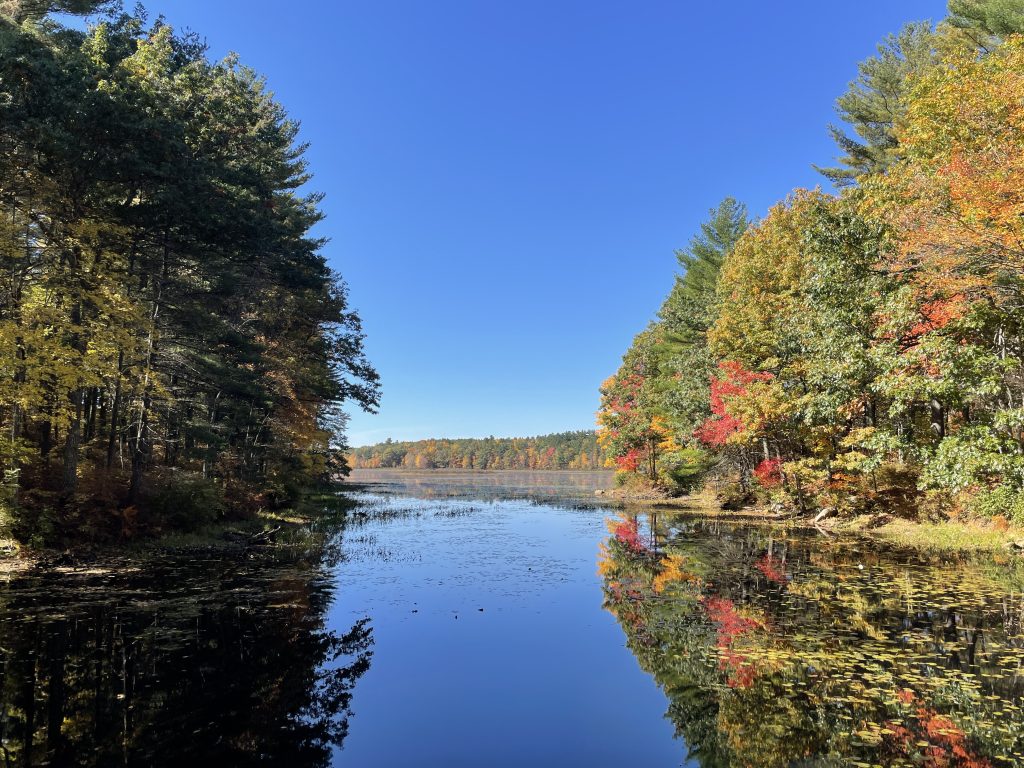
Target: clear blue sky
<point x="507" y="180"/>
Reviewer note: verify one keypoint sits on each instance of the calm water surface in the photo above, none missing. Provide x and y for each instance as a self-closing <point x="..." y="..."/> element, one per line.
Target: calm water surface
<point x="505" y="619"/>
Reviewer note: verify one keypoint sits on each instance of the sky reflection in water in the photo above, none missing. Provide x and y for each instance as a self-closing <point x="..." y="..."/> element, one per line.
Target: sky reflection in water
<point x="501" y="620"/>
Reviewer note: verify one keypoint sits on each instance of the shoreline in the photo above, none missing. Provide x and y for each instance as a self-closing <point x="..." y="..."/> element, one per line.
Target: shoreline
<point x="267" y="530"/>
<point x="950" y="536"/>
<point x="275" y="529"/>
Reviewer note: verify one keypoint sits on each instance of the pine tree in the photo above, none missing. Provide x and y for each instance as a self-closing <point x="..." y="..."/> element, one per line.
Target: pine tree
<point x="875" y="102"/>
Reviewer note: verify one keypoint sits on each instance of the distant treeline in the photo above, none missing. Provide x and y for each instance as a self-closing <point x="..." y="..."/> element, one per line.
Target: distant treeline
<point x="565" y="450"/>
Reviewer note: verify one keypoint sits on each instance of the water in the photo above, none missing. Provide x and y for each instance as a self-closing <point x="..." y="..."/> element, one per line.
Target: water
<point x="794" y="649"/>
<point x="467" y="619"/>
<point x="492" y="647"/>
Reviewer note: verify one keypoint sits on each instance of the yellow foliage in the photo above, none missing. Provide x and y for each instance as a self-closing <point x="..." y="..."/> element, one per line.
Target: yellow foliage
<point x="671" y="571"/>
<point x="759" y="283"/>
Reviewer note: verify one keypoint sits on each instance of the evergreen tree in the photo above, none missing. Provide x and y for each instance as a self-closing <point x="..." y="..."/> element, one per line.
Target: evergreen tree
<point x="685" y="365"/>
<point x="987" y="21"/>
<point x="166" y="315"/>
<point x="875" y="102"/>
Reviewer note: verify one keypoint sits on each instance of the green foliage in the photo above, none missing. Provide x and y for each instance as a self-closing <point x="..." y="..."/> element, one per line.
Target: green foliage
<point x="691" y="307"/>
<point x="163" y="303"/>
<point x="33" y="10"/>
<point x="861" y="351"/>
<point x="8" y="502"/>
<point x="661" y="393"/>
<point x="684" y="365"/>
<point x="974" y="455"/>
<point x="1001" y="501"/>
<point x="996" y="18"/>
<point x="686" y="469"/>
<point x="875" y="102"/>
<point x="183" y="502"/>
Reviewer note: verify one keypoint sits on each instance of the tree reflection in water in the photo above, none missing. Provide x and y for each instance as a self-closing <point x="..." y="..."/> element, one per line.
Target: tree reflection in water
<point x="208" y="660"/>
<point x="785" y="649"/>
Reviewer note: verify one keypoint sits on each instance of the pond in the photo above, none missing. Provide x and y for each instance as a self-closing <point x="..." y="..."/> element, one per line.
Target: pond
<point x="507" y="619"/>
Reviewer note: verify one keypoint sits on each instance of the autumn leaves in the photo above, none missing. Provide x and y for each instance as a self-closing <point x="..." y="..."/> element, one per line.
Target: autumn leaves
<point x="867" y="345"/>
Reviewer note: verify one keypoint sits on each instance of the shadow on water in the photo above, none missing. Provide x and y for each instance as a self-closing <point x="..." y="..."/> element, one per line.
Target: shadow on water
<point x="793" y="650"/>
<point x="159" y="661"/>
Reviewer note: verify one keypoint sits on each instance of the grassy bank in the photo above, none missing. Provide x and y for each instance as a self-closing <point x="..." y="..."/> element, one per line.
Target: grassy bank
<point x="963" y="536"/>
<point x="949" y="536"/>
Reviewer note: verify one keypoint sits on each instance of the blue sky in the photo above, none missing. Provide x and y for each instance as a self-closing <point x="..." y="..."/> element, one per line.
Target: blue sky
<point x="507" y="181"/>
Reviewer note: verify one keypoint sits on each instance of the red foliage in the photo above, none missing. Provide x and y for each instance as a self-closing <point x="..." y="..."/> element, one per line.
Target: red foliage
<point x="627" y="602"/>
<point x="628" y="532"/>
<point x="937" y="314"/>
<point x="769" y="473"/>
<point x="947" y="745"/>
<point x="630" y="462"/>
<point x="731" y="625"/>
<point x="717" y="430"/>
<point x="732" y="381"/>
<point x="771" y="568"/>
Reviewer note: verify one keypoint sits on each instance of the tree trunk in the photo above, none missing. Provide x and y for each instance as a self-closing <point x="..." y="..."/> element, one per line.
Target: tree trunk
<point x="140" y="451"/>
<point x="74" y="436"/>
<point x="140" y="447"/>
<point x="938" y="418"/>
<point x="115" y="412"/>
<point x="71" y="444"/>
<point x="77" y="397"/>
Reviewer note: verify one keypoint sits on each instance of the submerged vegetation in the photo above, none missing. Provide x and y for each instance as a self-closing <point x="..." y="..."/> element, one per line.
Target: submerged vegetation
<point x="776" y="650"/>
<point x="564" y="450"/>
<point x="175" y="347"/>
<point x="860" y="351"/>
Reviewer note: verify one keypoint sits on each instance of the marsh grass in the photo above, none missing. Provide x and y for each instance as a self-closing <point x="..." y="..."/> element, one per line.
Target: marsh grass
<point x="948" y="536"/>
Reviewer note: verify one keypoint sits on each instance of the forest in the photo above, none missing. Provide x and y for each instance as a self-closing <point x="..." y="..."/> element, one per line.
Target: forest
<point x="564" y="450"/>
<point x="166" y="362"/>
<point x="859" y="350"/>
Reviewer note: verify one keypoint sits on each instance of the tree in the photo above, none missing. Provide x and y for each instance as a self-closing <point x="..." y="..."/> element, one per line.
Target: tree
<point x="33" y="10"/>
<point x="164" y="309"/>
<point x="984" y="20"/>
<point x="876" y="101"/>
<point x="631" y="430"/>
<point x="685" y="364"/>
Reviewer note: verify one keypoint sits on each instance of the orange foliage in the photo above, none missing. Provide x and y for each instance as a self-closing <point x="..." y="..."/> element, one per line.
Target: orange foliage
<point x="944" y="744"/>
<point x="957" y="200"/>
<point x="671" y="571"/>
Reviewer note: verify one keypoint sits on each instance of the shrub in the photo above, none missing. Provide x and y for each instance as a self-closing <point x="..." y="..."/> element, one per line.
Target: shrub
<point x="734" y="496"/>
<point x="183" y="501"/>
<point x="1002" y="501"/>
<point x="685" y="470"/>
<point x="8" y="502"/>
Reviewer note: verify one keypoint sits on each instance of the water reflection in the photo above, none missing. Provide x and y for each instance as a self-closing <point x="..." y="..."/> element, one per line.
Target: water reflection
<point x="493" y="649"/>
<point x="159" y="662"/>
<point x="801" y="651"/>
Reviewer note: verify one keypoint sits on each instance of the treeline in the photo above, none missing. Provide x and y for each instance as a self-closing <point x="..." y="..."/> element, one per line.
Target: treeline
<point x="173" y="339"/>
<point x="860" y="350"/>
<point x="564" y="450"/>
